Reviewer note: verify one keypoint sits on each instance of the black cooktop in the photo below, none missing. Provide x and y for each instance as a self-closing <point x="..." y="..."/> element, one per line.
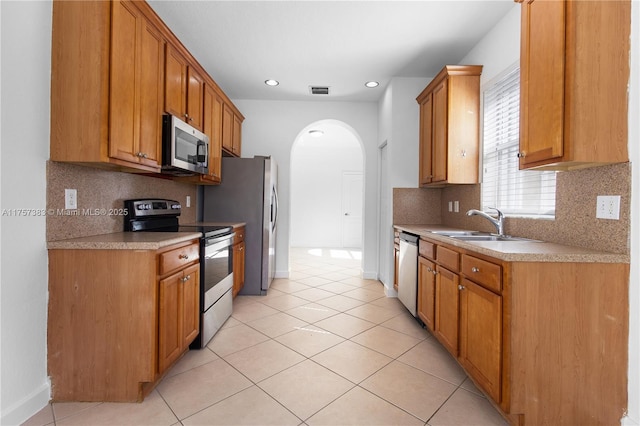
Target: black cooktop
<point x="158" y="215"/>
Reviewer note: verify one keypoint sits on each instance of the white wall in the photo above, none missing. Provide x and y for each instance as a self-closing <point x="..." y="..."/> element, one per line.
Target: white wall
<point x="271" y="127"/>
<point x="317" y="166"/>
<point x="26" y="63"/>
<point x="499" y="49"/>
<point x="399" y="127"/>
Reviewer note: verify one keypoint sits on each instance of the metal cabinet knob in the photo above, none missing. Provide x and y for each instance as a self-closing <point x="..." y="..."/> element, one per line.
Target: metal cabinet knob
<point x="460" y="287"/>
<point x="522" y="154"/>
<point x="183" y="256"/>
<point x="474" y="269"/>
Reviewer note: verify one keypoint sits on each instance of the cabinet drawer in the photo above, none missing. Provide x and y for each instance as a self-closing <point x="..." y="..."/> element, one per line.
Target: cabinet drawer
<point x="486" y="273"/>
<point x="179" y="257"/>
<point x="427" y="249"/>
<point x="448" y="258"/>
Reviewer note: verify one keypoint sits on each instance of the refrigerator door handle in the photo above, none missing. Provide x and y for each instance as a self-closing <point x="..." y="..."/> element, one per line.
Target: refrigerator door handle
<point x="274" y="218"/>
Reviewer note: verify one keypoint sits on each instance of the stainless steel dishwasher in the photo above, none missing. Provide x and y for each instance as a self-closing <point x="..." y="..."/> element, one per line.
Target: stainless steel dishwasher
<point x="408" y="271"/>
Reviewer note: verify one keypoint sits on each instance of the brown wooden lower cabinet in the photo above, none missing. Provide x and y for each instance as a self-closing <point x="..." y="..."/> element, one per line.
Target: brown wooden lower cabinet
<point x="239" y="254"/>
<point x="427" y="292"/>
<point x="118" y="319"/>
<point x="545" y="341"/>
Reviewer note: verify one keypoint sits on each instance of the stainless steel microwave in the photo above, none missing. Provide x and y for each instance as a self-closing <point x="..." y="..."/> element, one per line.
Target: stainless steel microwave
<point x="185" y="149"/>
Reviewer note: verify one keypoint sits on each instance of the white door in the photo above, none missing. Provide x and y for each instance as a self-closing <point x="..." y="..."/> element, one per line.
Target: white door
<point x="352" y="209"/>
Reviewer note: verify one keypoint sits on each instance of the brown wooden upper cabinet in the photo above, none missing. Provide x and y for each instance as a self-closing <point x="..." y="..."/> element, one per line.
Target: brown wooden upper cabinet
<point x="231" y="131"/>
<point x="574" y="72"/>
<point x="184" y="89"/>
<point x="115" y="69"/>
<point x="449" y="127"/>
<point x="106" y="86"/>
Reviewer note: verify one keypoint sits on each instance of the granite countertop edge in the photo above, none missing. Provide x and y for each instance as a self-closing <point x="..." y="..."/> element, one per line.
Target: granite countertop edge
<point x="519" y="251"/>
<point x="124" y="241"/>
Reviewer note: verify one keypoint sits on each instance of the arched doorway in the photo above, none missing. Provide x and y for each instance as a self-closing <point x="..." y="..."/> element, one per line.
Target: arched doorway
<point x="327" y="187"/>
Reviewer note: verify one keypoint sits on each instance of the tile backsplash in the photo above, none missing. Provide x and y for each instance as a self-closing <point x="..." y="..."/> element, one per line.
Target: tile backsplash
<point x="575" y="220"/>
<point x="101" y="192"/>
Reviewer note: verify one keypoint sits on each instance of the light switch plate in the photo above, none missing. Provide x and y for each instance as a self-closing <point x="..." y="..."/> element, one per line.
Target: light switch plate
<point x="456" y="206"/>
<point x="70" y="199"/>
<point x="608" y="207"/>
<point x="450" y="206"/>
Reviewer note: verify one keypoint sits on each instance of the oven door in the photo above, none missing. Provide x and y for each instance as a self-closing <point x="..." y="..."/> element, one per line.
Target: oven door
<point x="216" y="268"/>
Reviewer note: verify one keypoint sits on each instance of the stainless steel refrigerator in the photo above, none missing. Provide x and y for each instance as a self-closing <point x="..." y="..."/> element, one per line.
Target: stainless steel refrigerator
<point x="248" y="193"/>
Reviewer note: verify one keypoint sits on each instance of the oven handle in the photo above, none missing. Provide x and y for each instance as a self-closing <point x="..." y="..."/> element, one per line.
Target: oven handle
<point x="212" y="245"/>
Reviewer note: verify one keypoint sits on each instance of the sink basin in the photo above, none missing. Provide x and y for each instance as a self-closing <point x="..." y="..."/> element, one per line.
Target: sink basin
<point x="484" y="237"/>
<point x="459" y="233"/>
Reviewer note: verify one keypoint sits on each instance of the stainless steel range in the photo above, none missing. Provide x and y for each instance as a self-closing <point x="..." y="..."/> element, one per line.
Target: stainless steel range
<point x="216" y="262"/>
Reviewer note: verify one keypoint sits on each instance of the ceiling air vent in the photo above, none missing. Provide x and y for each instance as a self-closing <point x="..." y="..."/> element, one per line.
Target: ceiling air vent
<point x="319" y="90"/>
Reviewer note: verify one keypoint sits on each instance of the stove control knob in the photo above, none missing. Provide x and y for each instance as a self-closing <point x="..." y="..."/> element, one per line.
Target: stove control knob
<point x="176" y="206"/>
<point x="147" y="206"/>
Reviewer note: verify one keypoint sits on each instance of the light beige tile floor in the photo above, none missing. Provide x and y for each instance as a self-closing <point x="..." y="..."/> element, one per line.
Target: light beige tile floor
<point x="324" y="347"/>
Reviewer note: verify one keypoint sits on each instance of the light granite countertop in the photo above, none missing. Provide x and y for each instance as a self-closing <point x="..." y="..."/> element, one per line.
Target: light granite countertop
<point x="125" y="241"/>
<point x="518" y="251"/>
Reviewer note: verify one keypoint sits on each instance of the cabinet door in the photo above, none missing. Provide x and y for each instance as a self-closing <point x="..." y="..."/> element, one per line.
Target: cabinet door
<point x="447" y="308"/>
<point x="227" y="128"/>
<point x="237" y="135"/>
<point x="396" y="267"/>
<point x="439" y="144"/>
<point x="190" y="304"/>
<point x="426" y="140"/>
<point x="175" y="86"/>
<point x="238" y="267"/>
<point x="123" y="113"/>
<point x="542" y="78"/>
<point x="426" y="292"/>
<point x="169" y="321"/>
<point x="213" y="128"/>
<point x="195" y="93"/>
<point x="136" y="95"/>
<point x="151" y="95"/>
<point x="481" y="336"/>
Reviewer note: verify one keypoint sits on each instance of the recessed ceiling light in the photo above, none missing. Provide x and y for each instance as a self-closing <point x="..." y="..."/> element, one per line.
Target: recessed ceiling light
<point x="316" y="133"/>
<point x="271" y="82"/>
<point x="372" y="84"/>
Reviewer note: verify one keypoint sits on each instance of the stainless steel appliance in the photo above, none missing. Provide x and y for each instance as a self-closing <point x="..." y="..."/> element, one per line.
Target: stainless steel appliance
<point x="248" y="193"/>
<point x="185" y="149"/>
<point x="408" y="272"/>
<point x="216" y="262"/>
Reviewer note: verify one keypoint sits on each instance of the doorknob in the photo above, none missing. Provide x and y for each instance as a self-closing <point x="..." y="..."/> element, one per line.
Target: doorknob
<point x="346" y="214"/>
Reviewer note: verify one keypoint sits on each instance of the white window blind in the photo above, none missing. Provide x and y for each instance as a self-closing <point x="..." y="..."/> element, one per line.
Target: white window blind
<point x="503" y="185"/>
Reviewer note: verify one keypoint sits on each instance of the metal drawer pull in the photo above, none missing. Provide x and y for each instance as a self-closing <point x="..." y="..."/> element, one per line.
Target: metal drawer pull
<point x="187" y="278"/>
<point x="460" y="287"/>
<point x="474" y="269"/>
<point x="183" y="256"/>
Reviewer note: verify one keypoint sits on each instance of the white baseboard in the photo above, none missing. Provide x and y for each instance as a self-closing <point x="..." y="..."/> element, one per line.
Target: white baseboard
<point x="281" y="274"/>
<point x="21" y="411"/>
<point x="369" y="275"/>
<point x="390" y="292"/>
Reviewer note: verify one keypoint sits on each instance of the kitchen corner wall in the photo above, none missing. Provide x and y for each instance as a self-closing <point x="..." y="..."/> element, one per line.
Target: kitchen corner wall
<point x="575" y="221"/>
<point x="103" y="189"/>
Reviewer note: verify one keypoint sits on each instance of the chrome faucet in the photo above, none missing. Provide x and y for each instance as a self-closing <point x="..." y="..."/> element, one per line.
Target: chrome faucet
<point x="498" y="223"/>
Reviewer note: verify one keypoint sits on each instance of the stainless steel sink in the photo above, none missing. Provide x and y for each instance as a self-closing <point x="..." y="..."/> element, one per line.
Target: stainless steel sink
<point x="481" y="237"/>
<point x="459" y="233"/>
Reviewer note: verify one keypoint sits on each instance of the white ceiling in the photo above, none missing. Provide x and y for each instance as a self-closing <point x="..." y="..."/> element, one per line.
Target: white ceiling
<point x="341" y="44"/>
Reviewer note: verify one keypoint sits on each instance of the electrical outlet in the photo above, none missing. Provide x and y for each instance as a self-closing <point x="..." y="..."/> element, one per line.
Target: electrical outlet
<point x="70" y="199"/>
<point x="188" y="203"/>
<point x="450" y="206"/>
<point x="608" y="207"/>
<point x="456" y="206"/>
